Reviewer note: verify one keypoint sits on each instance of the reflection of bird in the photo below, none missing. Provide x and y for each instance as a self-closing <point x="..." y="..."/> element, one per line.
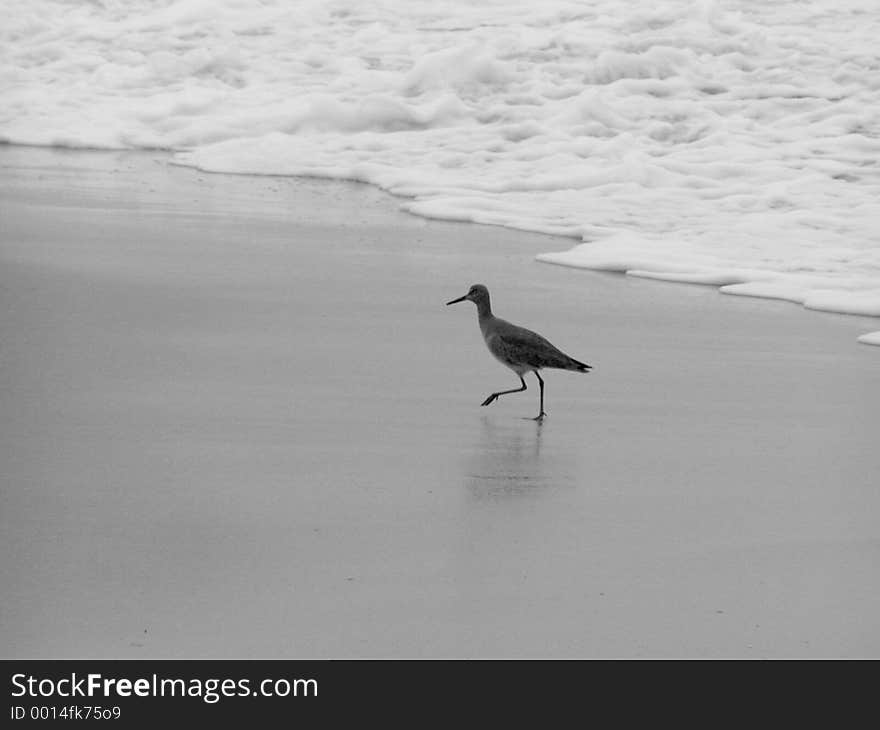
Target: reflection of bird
<point x="516" y="347"/>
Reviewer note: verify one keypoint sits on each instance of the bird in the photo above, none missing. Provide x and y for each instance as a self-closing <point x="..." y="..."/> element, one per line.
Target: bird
<point x="516" y="347"/>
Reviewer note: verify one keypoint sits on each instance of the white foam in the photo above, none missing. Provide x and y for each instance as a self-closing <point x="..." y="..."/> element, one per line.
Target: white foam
<point x="727" y="144"/>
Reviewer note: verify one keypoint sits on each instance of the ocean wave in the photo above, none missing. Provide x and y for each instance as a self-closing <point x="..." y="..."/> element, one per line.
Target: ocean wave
<point x="734" y="144"/>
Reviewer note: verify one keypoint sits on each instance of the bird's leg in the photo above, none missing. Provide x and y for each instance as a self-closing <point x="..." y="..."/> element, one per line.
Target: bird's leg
<point x="492" y="397"/>
<point x="540" y="416"/>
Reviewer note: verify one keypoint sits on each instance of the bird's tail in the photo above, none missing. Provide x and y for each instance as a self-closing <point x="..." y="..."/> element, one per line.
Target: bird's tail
<point x="581" y="367"/>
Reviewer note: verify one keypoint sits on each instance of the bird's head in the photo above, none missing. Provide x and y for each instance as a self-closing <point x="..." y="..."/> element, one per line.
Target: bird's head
<point x="476" y="294"/>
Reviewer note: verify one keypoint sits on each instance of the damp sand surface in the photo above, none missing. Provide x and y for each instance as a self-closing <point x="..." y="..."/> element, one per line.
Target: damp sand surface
<point x="239" y="421"/>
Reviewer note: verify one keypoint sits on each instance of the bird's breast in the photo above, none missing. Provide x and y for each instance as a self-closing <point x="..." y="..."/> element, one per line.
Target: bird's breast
<point x="506" y="355"/>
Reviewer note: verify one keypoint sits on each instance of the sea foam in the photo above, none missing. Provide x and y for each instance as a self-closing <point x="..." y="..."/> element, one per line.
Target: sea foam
<point x="734" y="144"/>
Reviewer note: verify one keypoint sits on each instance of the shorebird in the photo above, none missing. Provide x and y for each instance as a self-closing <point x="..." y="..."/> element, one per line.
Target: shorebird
<point x="519" y="349"/>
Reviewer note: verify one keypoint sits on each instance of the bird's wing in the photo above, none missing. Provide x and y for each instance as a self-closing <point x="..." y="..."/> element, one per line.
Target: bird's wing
<point x="520" y="345"/>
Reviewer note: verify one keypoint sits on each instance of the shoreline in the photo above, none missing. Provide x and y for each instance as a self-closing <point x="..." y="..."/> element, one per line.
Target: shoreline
<point x="244" y="424"/>
<point x="553" y="258"/>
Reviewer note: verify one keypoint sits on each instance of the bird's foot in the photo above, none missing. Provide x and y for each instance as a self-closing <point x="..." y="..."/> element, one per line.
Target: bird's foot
<point x="490" y="399"/>
<point x="539" y="417"/>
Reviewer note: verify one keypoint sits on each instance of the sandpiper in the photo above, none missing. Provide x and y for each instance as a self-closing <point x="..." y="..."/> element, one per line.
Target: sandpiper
<point x="519" y="349"/>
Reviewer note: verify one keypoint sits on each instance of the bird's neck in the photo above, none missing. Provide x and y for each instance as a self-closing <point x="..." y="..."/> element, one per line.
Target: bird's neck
<point x="484" y="310"/>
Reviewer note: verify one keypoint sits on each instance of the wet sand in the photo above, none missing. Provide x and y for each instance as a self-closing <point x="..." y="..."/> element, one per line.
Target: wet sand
<point x="239" y="421"/>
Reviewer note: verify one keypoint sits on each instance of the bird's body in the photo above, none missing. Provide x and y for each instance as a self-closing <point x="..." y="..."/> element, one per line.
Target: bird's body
<point x="516" y="347"/>
<point x="523" y="350"/>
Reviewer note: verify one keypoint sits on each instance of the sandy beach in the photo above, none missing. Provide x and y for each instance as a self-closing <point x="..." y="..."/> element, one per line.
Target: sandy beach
<point x="239" y="421"/>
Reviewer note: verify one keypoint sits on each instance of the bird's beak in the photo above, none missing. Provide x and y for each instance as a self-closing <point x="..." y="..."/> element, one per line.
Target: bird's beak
<point x="455" y="301"/>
